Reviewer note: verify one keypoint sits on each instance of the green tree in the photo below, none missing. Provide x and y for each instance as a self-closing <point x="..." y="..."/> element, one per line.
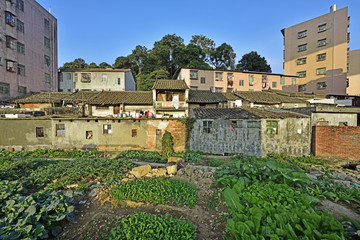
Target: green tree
<point x="223" y="57"/>
<point x="145" y="82"/>
<point x="190" y="56"/>
<point x="93" y="65"/>
<point x="104" y="65"/>
<point x="123" y="63"/>
<point x="206" y="44"/>
<point x="139" y="55"/>
<point x="77" y="63"/>
<point x="253" y="62"/>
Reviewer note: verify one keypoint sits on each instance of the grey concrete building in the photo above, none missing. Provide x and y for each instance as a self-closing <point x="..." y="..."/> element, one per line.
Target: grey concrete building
<point x="28" y="48"/>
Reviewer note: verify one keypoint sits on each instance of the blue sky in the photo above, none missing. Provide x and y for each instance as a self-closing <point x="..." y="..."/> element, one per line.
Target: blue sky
<point x="99" y="31"/>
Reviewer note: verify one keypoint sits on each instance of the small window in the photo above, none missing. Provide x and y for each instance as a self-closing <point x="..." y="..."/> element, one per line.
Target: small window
<point x="241" y="83"/>
<point x="218" y="76"/>
<point x="271" y="127"/>
<point x="107" y="129"/>
<point x="253" y="124"/>
<point x="218" y="89"/>
<point x="10" y="66"/>
<point x="302" y="47"/>
<point x="158" y="132"/>
<point x="322" y="27"/>
<point x="89" y="135"/>
<point x="47" y="60"/>
<point x="21" y="70"/>
<point x="302" y="34"/>
<point x="86" y="77"/>
<point x="321" y="42"/>
<point x="193" y="75"/>
<point x="133" y="132"/>
<point x="321" y="85"/>
<point x="10" y="19"/>
<point x="39" y="132"/>
<point x="20" y="48"/>
<point x="293" y="81"/>
<point x="21" y="89"/>
<point x="104" y="77"/>
<point x="68" y="76"/>
<point x="230" y="77"/>
<point x="301" y="74"/>
<point x="202" y="80"/>
<point x="20" y="5"/>
<point x="302" y="87"/>
<point x="47" y="78"/>
<point x="4" y="88"/>
<point x="119" y="81"/>
<point x="193" y="88"/>
<point x="20" y="26"/>
<point x="60" y="130"/>
<point x="46" y="24"/>
<point x="236" y="124"/>
<point x="321" y="71"/>
<point x="207" y="125"/>
<point x="321" y="57"/>
<point x="274" y="84"/>
<point x="301" y="61"/>
<point x="46" y="42"/>
<point x="282" y="80"/>
<point x="10" y="42"/>
<point x="251" y="80"/>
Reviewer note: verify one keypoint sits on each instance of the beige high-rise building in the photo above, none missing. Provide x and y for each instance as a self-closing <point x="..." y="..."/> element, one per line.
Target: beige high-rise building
<point x="316" y="51"/>
<point x="354" y="73"/>
<point x="28" y="48"/>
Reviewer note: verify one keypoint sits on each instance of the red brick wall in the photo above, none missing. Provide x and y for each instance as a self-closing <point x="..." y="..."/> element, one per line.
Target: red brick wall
<point x="336" y="141"/>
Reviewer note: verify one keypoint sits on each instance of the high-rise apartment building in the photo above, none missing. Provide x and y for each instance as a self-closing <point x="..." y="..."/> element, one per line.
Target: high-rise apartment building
<point x="28" y="48"/>
<point x="316" y="51"/>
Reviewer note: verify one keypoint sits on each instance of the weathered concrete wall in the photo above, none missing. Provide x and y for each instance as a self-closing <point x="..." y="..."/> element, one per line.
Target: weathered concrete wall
<point x="333" y="119"/>
<point x="335" y="141"/>
<point x="292" y="138"/>
<point x="224" y="138"/>
<point x="89" y="134"/>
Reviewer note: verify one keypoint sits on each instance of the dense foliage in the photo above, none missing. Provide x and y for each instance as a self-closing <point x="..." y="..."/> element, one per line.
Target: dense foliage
<point x="139" y="155"/>
<point x="50" y="153"/>
<point x="157" y="190"/>
<point x="252" y="61"/>
<point x="150" y="226"/>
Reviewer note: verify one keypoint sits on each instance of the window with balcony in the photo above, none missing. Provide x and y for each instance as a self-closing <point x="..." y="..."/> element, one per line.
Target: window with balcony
<point x="21" y="70"/>
<point x="301" y="61"/>
<point x="321" y="85"/>
<point x="321" y="57"/>
<point x="20" y="48"/>
<point x="322" y="28"/>
<point x="302" y="34"/>
<point x="4" y="88"/>
<point x="10" y="42"/>
<point x="10" y="19"/>
<point x="251" y="80"/>
<point x="302" y="47"/>
<point x="321" y="42"/>
<point x="202" y="80"/>
<point x="218" y="76"/>
<point x="20" y="26"/>
<point x="46" y="42"/>
<point x="321" y="71"/>
<point x="194" y="75"/>
<point x="10" y="66"/>
<point x="282" y="80"/>
<point x="47" y="78"/>
<point x="47" y="60"/>
<point x="20" y="5"/>
<point x="301" y="74"/>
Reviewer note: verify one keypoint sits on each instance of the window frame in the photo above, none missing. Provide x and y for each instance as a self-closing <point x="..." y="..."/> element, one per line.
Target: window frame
<point x="10" y="19"/>
<point x="319" y="57"/>
<point x="302" y="87"/>
<point x="46" y="24"/>
<point x="107" y="129"/>
<point x="217" y="75"/>
<point x="46" y="42"/>
<point x="10" y="42"/>
<point x="321" y="71"/>
<point x="302" y="47"/>
<point x="60" y="130"/>
<point x="282" y="81"/>
<point x="4" y="88"/>
<point x="302" y="34"/>
<point x="301" y="74"/>
<point x="301" y="61"/>
<point x="241" y="83"/>
<point x="20" y="5"/>
<point x="321" y="85"/>
<point x="39" y="132"/>
<point x="12" y="68"/>
<point x="20" y="26"/>
<point x="21" y="70"/>
<point x="20" y="48"/>
<point x="207" y="126"/>
<point x="194" y="74"/>
<point x="322" y="28"/>
<point x="202" y="80"/>
<point x="134" y="132"/>
<point x="321" y="42"/>
<point x="272" y="127"/>
<point x="274" y="84"/>
<point x="22" y="89"/>
<point x="251" y="80"/>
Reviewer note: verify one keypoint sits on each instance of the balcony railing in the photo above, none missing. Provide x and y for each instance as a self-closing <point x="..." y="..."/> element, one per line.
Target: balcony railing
<point x="169" y="105"/>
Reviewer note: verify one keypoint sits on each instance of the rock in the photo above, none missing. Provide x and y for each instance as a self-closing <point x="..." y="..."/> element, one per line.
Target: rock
<point x="82" y="202"/>
<point x="180" y="172"/>
<point x="189" y="170"/>
<point x="140" y="171"/>
<point x="171" y="169"/>
<point x="175" y="159"/>
<point x="343" y="183"/>
<point x="78" y="193"/>
<point x="160" y="172"/>
<point x="133" y="204"/>
<point x="125" y="179"/>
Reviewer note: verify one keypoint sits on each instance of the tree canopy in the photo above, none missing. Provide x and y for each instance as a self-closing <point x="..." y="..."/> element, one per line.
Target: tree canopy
<point x="253" y="62"/>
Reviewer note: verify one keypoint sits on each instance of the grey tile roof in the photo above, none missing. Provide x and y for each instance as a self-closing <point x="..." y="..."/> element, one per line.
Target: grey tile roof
<point x="126" y="97"/>
<point x="267" y="98"/>
<point x="231" y="96"/>
<point x="82" y="96"/>
<point x="170" y="85"/>
<point x="199" y="96"/>
<point x="43" y="97"/>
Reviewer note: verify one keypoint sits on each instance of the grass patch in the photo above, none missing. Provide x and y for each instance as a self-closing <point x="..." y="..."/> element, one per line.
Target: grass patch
<point x="140" y="155"/>
<point x="158" y="191"/>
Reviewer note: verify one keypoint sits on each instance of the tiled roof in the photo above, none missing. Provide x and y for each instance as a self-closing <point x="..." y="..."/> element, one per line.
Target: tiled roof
<point x="267" y="98"/>
<point x="198" y="96"/>
<point x="242" y="113"/>
<point x="296" y="94"/>
<point x="82" y="96"/>
<point x="126" y="97"/>
<point x="43" y="97"/>
<point x="170" y="85"/>
<point x="231" y="96"/>
<point x="93" y="70"/>
<point x="304" y="110"/>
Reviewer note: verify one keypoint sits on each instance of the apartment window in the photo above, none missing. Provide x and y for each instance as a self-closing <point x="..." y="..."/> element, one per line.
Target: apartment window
<point x="321" y="85"/>
<point x="302" y="87"/>
<point x="293" y="81"/>
<point x="107" y="129"/>
<point x="302" y="47"/>
<point x="47" y="78"/>
<point x="1" y="62"/>
<point x="4" y="88"/>
<point x="22" y="89"/>
<point x="301" y="74"/>
<point x="321" y="71"/>
<point x="193" y="88"/>
<point x="20" y="26"/>
<point x="218" y="89"/>
<point x="39" y="132"/>
<point x="321" y="57"/>
<point x="302" y="34"/>
<point x="21" y="70"/>
<point x="218" y="76"/>
<point x="10" y="66"/>
<point x="20" y="5"/>
<point x="20" y="48"/>
<point x="89" y="135"/>
<point x="10" y="42"/>
<point x="119" y="81"/>
<point x="241" y="83"/>
<point x="282" y="80"/>
<point x="193" y="75"/>
<point x="68" y="76"/>
<point x="251" y="80"/>
<point x="207" y="125"/>
<point x="47" y="60"/>
<point x="301" y="61"/>
<point x="202" y="80"/>
<point x="60" y="130"/>
<point x="274" y="84"/>
<point x="158" y="132"/>
<point x="104" y="77"/>
<point x="322" y="27"/>
<point x="321" y="42"/>
<point x="253" y="124"/>
<point x="230" y="77"/>
<point x="46" y="42"/>
<point x="10" y="19"/>
<point x="271" y="127"/>
<point x="133" y="132"/>
<point x="46" y="24"/>
<point x="348" y="67"/>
